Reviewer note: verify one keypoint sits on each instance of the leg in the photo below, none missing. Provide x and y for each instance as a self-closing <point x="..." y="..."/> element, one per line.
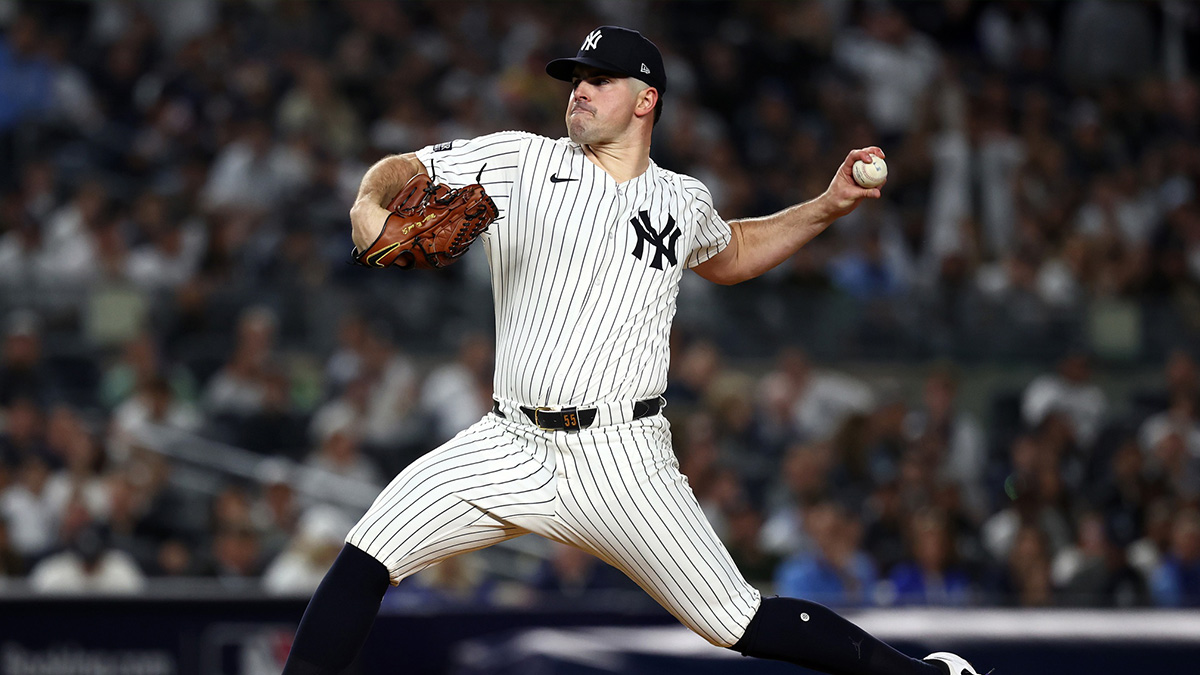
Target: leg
<point x="339" y="616"/>
<point x="624" y="500"/>
<point x="811" y="635"/>
<point x="435" y="509"/>
<point x="629" y="505"/>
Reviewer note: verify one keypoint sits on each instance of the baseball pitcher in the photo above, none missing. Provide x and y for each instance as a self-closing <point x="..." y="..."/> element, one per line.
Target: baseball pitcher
<point x="587" y="241"/>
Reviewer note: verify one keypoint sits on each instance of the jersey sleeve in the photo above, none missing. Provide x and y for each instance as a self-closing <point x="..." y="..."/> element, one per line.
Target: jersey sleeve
<point x="492" y="160"/>
<point x="711" y="234"/>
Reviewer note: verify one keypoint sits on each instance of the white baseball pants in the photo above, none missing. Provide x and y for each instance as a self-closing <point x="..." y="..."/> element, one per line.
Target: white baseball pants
<point x="614" y="491"/>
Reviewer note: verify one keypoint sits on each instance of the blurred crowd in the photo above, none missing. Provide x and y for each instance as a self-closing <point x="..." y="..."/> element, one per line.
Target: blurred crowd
<point x="174" y="192"/>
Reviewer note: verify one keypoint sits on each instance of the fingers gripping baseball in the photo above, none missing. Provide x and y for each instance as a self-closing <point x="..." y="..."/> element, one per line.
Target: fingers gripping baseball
<point x="845" y="190"/>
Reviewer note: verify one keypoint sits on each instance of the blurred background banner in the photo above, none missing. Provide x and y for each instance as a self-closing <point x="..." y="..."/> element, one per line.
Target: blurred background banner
<point x="251" y="636"/>
<point x="978" y="392"/>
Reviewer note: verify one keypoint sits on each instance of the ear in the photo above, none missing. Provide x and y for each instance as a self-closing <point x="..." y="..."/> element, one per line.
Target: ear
<point x="646" y="100"/>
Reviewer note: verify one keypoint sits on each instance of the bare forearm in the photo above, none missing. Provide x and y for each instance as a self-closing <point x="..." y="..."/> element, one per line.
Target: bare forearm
<point x="380" y="183"/>
<point x="762" y="243"/>
<point x="758" y="244"/>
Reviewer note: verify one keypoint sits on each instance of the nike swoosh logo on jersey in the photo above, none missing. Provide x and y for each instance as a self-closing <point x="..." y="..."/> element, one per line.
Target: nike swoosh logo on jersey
<point x="555" y="179"/>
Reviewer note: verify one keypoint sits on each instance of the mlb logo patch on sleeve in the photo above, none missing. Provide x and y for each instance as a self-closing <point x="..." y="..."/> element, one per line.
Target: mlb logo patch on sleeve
<point x="443" y="146"/>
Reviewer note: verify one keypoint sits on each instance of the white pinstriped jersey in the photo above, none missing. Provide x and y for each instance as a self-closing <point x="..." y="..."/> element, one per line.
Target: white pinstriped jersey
<point x="585" y="271"/>
<point x="584" y="274"/>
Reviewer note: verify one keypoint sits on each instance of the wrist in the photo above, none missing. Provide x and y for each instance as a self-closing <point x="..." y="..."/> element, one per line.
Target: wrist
<point x="823" y="211"/>
<point x="366" y="222"/>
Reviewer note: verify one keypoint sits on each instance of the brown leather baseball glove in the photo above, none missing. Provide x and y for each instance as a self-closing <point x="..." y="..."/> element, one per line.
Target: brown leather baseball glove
<point x="430" y="225"/>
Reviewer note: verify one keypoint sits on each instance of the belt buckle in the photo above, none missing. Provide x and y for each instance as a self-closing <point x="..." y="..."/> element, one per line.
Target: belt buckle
<point x="569" y="417"/>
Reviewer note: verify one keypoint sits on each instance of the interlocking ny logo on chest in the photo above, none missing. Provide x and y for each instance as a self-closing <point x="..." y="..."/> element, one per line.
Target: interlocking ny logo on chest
<point x="661" y="240"/>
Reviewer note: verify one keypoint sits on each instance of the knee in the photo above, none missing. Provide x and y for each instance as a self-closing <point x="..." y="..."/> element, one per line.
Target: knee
<point x="728" y="635"/>
<point x="746" y="629"/>
<point x="355" y="562"/>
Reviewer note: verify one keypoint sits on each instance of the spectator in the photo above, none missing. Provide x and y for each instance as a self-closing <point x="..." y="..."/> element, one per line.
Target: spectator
<point x="1026" y="579"/>
<point x="456" y="395"/>
<point x="316" y="107"/>
<point x="154" y="404"/>
<point x="69" y="236"/>
<point x="1030" y="489"/>
<point x="87" y="566"/>
<point x="124" y="515"/>
<point x="866" y="273"/>
<point x="836" y="571"/>
<point x="301" y="566"/>
<point x="1176" y="580"/>
<point x="139" y="363"/>
<point x="1147" y="553"/>
<point x="276" y="428"/>
<point x="884" y="536"/>
<point x="820" y="400"/>
<point x="954" y="436"/>
<point x="1093" y="572"/>
<point x="392" y="391"/>
<point x="1172" y="464"/>
<point x="238" y="389"/>
<point x="1181" y="378"/>
<point x="348" y="408"/>
<point x="32" y="517"/>
<point x="744" y="541"/>
<point x="28" y="78"/>
<point x="896" y="64"/>
<point x="1069" y="392"/>
<point x="276" y="510"/>
<point x="23" y="434"/>
<point x="345" y="364"/>
<point x="932" y="575"/>
<point x="252" y="174"/>
<point x="82" y="476"/>
<point x="1125" y="492"/>
<point x="699" y="366"/>
<point x="338" y="459"/>
<point x="172" y="253"/>
<point x="234" y="557"/>
<point x="22" y="374"/>
<point x="805" y="474"/>
<point x="1180" y="419"/>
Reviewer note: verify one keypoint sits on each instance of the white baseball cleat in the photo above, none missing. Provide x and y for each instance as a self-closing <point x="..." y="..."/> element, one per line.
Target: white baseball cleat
<point x="953" y="663"/>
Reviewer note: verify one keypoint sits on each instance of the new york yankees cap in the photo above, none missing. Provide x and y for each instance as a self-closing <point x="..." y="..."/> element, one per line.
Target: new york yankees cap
<point x="618" y="50"/>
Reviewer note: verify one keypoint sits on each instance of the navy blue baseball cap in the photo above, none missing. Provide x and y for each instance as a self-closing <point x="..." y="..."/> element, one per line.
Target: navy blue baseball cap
<point x="617" y="50"/>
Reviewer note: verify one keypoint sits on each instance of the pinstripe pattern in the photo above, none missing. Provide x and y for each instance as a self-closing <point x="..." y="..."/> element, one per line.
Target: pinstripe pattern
<point x="614" y="491"/>
<point x="579" y="318"/>
<point x="584" y="288"/>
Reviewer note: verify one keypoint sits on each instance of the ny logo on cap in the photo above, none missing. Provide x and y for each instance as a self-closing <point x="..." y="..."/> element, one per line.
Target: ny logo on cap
<point x="592" y="39"/>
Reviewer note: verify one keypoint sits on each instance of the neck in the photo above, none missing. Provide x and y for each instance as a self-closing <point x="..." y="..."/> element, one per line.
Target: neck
<point x="623" y="160"/>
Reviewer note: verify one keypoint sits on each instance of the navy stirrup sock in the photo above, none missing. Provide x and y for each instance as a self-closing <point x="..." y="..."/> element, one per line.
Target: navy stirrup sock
<point x="339" y="616"/>
<point x="811" y="635"/>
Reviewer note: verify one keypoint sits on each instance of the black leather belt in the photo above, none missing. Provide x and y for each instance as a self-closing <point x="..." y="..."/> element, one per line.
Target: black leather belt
<point x="574" y="419"/>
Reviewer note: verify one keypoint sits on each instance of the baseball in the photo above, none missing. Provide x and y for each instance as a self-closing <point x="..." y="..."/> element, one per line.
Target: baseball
<point x="870" y="175"/>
